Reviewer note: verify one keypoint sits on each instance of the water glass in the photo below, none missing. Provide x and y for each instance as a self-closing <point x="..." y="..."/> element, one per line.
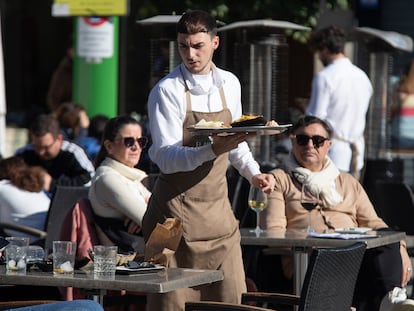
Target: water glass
<point x="64" y="253"/>
<point x="16" y="255"/>
<point x="35" y="254"/>
<point x="104" y="261"/>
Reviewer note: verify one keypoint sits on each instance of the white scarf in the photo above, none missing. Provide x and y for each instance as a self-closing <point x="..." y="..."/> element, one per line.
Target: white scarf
<point x="321" y="183"/>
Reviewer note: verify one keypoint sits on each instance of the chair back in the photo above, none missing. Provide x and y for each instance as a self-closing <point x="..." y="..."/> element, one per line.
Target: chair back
<point x="219" y="306"/>
<point x="331" y="277"/>
<point x="64" y="198"/>
<point x="395" y="205"/>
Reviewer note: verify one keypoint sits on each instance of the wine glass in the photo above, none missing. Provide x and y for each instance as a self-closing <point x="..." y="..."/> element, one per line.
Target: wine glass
<point x="309" y="201"/>
<point x="257" y="201"/>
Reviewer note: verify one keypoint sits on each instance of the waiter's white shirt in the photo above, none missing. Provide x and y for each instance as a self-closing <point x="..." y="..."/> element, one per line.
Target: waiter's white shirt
<point x="341" y="93"/>
<point x="167" y="110"/>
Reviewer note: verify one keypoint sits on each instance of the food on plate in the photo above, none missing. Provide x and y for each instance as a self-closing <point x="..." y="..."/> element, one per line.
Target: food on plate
<point x="249" y="120"/>
<point x="272" y="123"/>
<point x="209" y="124"/>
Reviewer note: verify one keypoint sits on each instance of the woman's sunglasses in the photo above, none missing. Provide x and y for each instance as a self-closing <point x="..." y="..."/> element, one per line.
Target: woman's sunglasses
<point x="317" y="141"/>
<point x="130" y="141"/>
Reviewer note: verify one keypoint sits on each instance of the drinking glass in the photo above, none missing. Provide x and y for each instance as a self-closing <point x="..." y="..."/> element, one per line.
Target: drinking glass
<point x="309" y="201"/>
<point x="257" y="201"/>
<point x="104" y="261"/>
<point x="64" y="257"/>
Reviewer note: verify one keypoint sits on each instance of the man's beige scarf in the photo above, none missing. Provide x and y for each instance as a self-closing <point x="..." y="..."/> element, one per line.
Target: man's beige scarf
<point x="320" y="183"/>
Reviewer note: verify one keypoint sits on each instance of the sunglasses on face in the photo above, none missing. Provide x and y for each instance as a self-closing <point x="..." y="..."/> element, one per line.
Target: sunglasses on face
<point x="317" y="141"/>
<point x="130" y="141"/>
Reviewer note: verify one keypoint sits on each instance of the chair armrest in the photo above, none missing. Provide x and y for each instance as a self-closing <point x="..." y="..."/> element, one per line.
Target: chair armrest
<point x="286" y="299"/>
<point x="25" y="229"/>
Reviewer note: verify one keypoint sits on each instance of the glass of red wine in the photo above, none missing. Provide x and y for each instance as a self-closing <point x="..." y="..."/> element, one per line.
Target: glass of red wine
<point x="309" y="201"/>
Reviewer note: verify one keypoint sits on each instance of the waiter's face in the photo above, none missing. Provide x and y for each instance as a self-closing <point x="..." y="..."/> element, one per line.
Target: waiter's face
<point x="196" y="51"/>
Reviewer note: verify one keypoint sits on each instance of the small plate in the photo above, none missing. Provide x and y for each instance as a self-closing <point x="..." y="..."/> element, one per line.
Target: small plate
<point x="359" y="230"/>
<point x="130" y="271"/>
<point x="259" y="129"/>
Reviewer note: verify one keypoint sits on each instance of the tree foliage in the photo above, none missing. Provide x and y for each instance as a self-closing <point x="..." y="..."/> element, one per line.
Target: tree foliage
<point x="302" y="12"/>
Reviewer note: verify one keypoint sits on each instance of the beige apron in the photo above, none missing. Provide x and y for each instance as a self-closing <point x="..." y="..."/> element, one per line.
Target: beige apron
<point x="211" y="237"/>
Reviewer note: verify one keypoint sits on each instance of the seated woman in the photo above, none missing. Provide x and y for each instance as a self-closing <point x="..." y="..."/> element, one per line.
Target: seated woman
<point x="117" y="194"/>
<point x="22" y="198"/>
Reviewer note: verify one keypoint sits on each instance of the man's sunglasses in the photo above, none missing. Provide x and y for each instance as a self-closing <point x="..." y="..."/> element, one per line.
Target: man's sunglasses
<point x="317" y="141"/>
<point x="130" y="141"/>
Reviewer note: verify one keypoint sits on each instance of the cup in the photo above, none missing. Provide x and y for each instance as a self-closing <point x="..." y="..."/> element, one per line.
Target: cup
<point x="104" y="261"/>
<point x="16" y="255"/>
<point x="35" y="254"/>
<point x="63" y="258"/>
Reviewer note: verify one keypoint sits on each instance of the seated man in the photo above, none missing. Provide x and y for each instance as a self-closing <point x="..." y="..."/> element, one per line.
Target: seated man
<point x="343" y="203"/>
<point x="66" y="162"/>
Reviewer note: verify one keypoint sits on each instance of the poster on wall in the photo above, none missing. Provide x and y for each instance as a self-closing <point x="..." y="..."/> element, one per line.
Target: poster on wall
<point x="95" y="38"/>
<point x="61" y="8"/>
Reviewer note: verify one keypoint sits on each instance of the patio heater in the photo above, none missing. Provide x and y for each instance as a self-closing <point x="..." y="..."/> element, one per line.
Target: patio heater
<point x="260" y="59"/>
<point x="163" y="50"/>
<point x="376" y="53"/>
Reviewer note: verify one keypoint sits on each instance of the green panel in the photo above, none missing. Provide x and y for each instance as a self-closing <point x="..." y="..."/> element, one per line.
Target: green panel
<point x="95" y="84"/>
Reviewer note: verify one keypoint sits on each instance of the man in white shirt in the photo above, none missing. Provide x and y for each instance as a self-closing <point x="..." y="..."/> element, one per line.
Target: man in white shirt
<point x="341" y="93"/>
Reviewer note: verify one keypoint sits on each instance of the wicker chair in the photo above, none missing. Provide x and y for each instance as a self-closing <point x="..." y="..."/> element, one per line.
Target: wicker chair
<point x="219" y="306"/>
<point x="329" y="281"/>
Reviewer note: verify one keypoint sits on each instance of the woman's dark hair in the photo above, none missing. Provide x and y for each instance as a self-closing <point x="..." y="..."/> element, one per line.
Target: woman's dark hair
<point x="333" y="38"/>
<point x="308" y="120"/>
<point x="111" y="130"/>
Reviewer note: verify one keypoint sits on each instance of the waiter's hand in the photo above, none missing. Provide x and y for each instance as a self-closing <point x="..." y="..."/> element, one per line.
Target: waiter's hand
<point x="223" y="144"/>
<point x="265" y="182"/>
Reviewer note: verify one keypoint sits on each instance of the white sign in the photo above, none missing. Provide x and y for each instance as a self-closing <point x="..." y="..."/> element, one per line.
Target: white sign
<point x="95" y="38"/>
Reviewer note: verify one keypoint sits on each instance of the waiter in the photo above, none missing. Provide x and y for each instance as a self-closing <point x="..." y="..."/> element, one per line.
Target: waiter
<point x="192" y="185"/>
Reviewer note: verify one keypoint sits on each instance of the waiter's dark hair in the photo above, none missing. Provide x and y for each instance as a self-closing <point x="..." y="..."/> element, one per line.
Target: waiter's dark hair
<point x="195" y="21"/>
<point x="308" y="120"/>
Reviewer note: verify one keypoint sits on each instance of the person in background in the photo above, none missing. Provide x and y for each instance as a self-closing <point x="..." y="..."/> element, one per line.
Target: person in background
<point x="343" y="203"/>
<point x="92" y="142"/>
<point x="65" y="162"/>
<point x="60" y="85"/>
<point x="340" y="95"/>
<point x="117" y="194"/>
<point x="22" y="198"/>
<point x="192" y="185"/>
<point x="73" y="121"/>
<point x="402" y="112"/>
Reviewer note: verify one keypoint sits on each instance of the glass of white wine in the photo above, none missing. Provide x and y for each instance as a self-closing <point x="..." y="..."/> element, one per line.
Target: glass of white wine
<point x="309" y="201"/>
<point x="257" y="201"/>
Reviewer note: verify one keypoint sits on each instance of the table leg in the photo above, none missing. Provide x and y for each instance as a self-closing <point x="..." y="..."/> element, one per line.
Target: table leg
<point x="301" y="264"/>
<point x="96" y="295"/>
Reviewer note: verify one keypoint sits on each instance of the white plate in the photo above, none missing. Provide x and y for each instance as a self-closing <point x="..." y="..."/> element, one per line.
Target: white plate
<point x="359" y="230"/>
<point x="260" y="130"/>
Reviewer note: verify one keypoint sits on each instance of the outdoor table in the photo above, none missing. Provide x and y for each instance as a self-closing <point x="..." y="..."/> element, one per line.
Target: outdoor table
<point x="155" y="282"/>
<point x="300" y="244"/>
